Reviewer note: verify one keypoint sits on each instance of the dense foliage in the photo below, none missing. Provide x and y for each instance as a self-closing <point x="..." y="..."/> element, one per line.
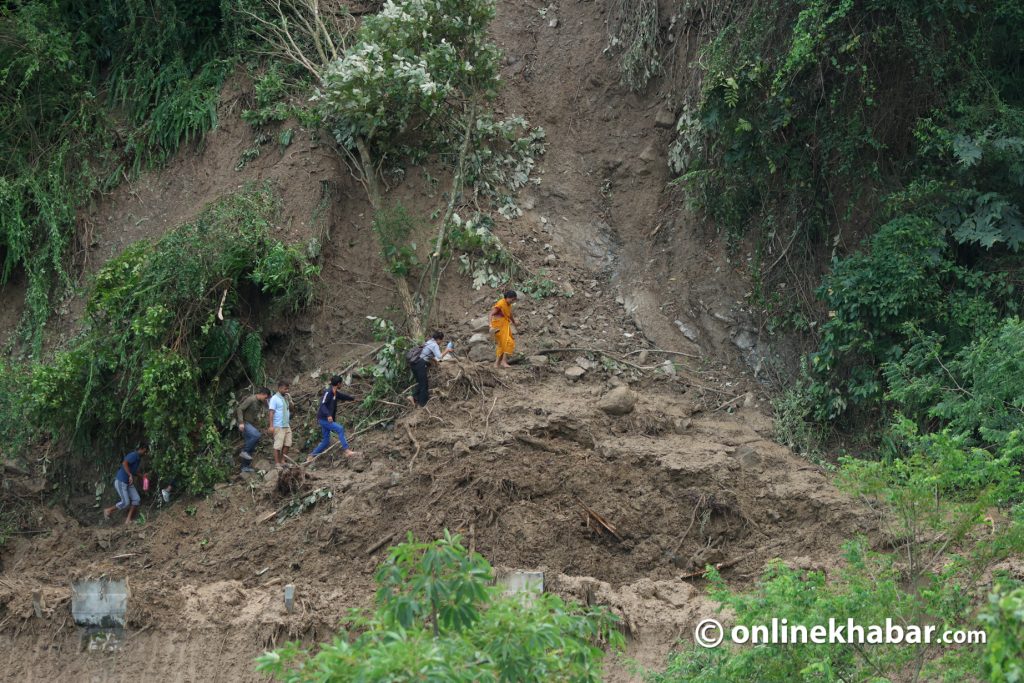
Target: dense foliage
<point x="90" y="92"/>
<point x="827" y="118"/>
<point x="168" y="334"/>
<point x="932" y="498"/>
<point x="439" y="618"/>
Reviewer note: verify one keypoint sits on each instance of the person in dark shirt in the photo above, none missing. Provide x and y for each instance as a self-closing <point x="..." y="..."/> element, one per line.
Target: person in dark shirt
<point x="248" y="414"/>
<point x="124" y="484"/>
<point x="326" y="415"/>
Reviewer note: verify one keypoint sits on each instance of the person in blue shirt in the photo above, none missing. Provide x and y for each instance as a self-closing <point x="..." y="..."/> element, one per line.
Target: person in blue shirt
<point x="326" y="415"/>
<point x="124" y="483"/>
<point x="431" y="354"/>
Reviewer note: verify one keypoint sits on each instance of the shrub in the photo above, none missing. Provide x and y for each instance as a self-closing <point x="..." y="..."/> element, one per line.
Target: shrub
<point x="163" y="343"/>
<point x="438" y="618"/>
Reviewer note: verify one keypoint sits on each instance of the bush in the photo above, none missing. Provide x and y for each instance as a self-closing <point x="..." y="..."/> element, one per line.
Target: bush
<point x="405" y="64"/>
<point x="438" y="618"/>
<point x="907" y="282"/>
<point x="978" y="393"/>
<point x="163" y="344"/>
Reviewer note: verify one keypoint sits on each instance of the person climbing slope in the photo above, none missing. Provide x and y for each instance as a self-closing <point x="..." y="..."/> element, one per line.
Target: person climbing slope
<point x="501" y="321"/>
<point x="124" y="484"/>
<point x="280" y="423"/>
<point x="326" y="415"/>
<point x="248" y="414"/>
<point x="430" y="354"/>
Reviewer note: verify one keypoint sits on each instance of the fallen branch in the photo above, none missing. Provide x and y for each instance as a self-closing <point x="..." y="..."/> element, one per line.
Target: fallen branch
<point x="415" y="443"/>
<point x="700" y="503"/>
<point x="380" y="544"/>
<point x="535" y="442"/>
<point x="718" y="567"/>
<point x="671" y="353"/>
<point x="604" y="523"/>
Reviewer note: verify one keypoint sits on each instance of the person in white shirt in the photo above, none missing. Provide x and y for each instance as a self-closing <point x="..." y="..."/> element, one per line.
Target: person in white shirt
<point x="280" y="423"/>
<point x="431" y="354"/>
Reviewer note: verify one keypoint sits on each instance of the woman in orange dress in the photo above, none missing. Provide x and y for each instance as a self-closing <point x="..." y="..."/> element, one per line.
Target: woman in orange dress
<point x="501" y="327"/>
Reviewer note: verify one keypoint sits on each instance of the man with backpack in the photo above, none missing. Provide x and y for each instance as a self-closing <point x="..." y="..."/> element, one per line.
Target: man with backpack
<point x="420" y="359"/>
<point x="248" y="414"/>
<point x="326" y="415"/>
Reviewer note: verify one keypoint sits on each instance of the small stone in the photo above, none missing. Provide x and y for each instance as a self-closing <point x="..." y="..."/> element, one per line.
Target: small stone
<point x="537" y="361"/>
<point x="688" y="331"/>
<point x="668" y="368"/>
<point x="585" y="363"/>
<point x="550" y="258"/>
<point x="665" y="118"/>
<point x="460" y="449"/>
<point x="681" y="425"/>
<point x="641" y="358"/>
<point x="574" y="372"/>
<point x="650" y="153"/>
<point x="618" y="401"/>
<point x="553" y="23"/>
<point x="745" y="340"/>
<point x="748" y="457"/>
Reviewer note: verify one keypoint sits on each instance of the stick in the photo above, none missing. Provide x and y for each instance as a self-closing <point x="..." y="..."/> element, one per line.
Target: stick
<point x="536" y="443"/>
<point x="599" y="519"/>
<point x="487" y="422"/>
<point x="731" y="400"/>
<point x="380" y="544"/>
<point x="699" y="505"/>
<point x="671" y="353"/>
<point x="415" y="443"/>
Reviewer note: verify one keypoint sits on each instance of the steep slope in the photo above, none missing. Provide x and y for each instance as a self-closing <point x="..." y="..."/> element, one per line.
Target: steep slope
<point x="689" y="477"/>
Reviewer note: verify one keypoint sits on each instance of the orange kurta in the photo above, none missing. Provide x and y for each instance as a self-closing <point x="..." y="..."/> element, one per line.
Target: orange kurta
<point x="501" y="327"/>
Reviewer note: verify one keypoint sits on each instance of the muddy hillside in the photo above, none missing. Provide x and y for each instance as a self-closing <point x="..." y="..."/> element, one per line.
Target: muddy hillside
<point x="630" y="446"/>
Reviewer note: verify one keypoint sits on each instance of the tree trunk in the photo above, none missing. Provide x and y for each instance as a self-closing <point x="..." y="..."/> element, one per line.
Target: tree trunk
<point x="373" y="190"/>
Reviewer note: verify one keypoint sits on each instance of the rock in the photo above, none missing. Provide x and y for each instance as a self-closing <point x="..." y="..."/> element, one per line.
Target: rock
<point x="650" y="153"/>
<point x="681" y="425"/>
<point x="585" y="363"/>
<point x="574" y="372"/>
<point x="460" y="449"/>
<point x="748" y="457"/>
<point x="665" y="118"/>
<point x="618" y="401"/>
<point x="668" y="368"/>
<point x="688" y="331"/>
<point x="553" y="23"/>
<point x="537" y="361"/>
<point x="641" y="358"/>
<point x="479" y="353"/>
<point x="550" y="258"/>
<point x="479" y="338"/>
<point x="745" y="340"/>
<point x="481" y="324"/>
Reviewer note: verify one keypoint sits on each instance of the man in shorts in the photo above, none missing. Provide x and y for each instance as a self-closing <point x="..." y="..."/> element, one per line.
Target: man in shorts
<point x="124" y="484"/>
<point x="280" y="423"/>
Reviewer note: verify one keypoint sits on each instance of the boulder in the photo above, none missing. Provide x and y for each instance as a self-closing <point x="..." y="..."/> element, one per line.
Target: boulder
<point x="574" y="372"/>
<point x="618" y="401"/>
<point x="537" y="361"/>
<point x="480" y="353"/>
<point x="481" y="324"/>
<point x="480" y="338"/>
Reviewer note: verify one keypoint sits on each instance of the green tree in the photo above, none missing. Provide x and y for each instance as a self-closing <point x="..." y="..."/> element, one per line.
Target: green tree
<point x="438" y="618"/>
